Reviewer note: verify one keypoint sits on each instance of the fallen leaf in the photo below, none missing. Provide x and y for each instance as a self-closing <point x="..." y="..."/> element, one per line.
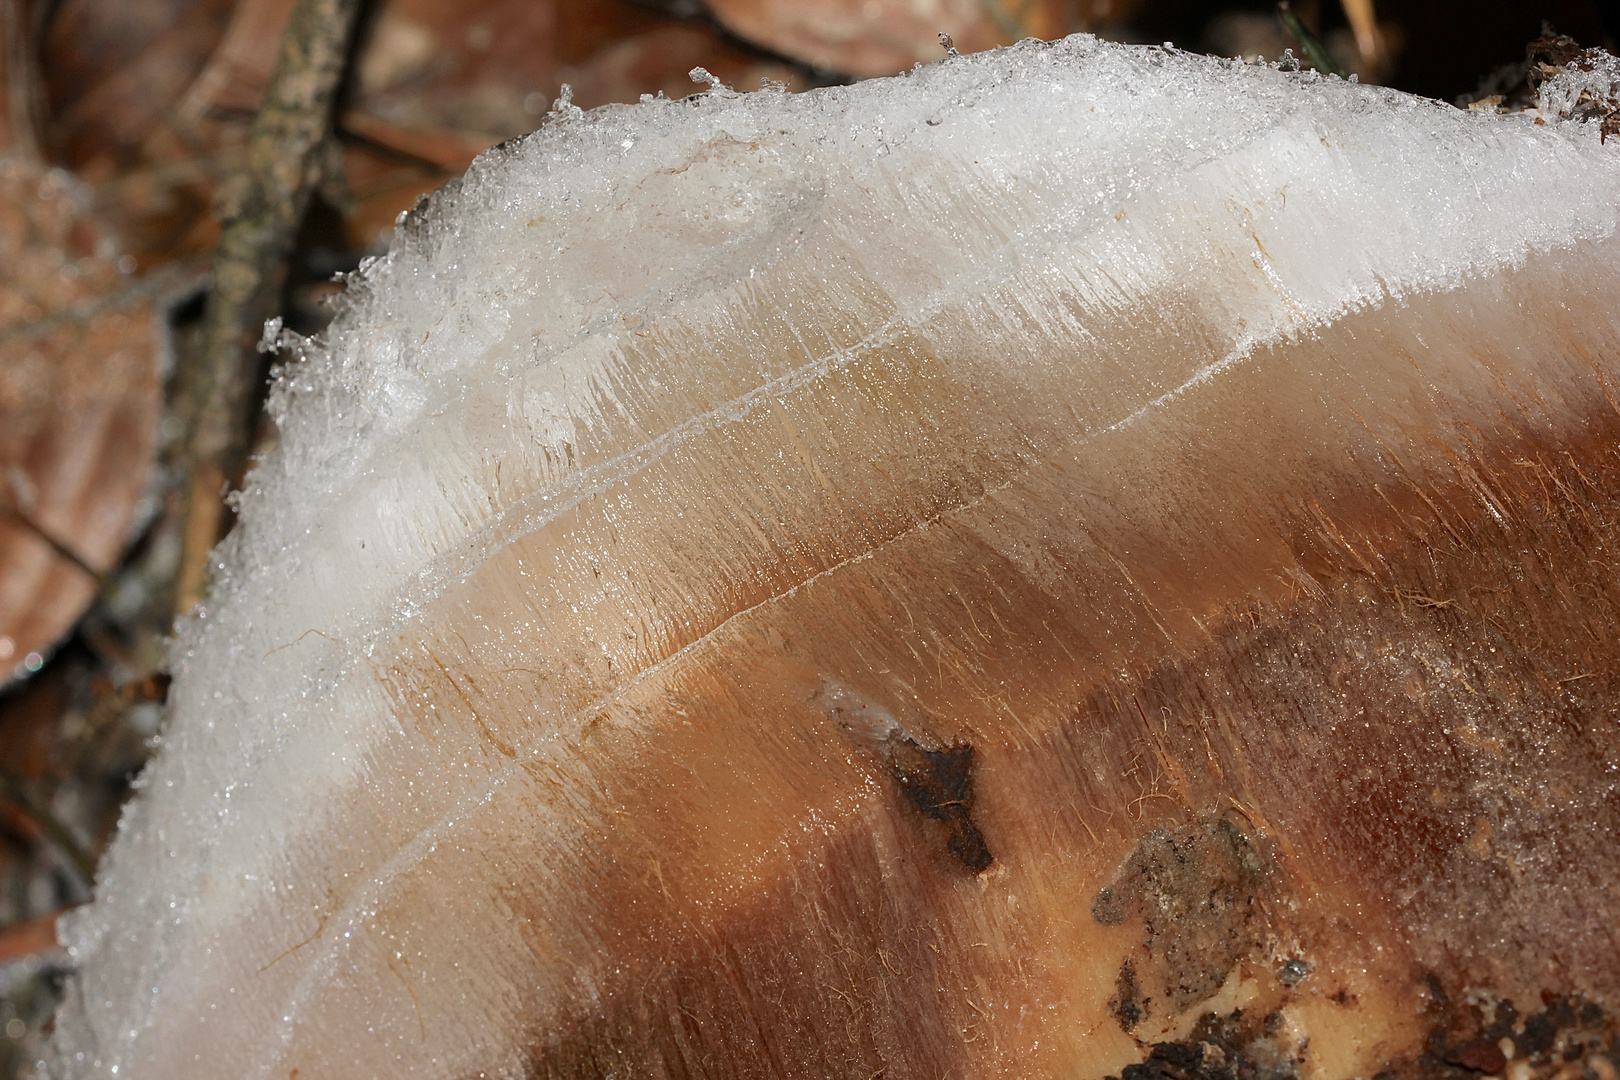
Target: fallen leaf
<point x="233" y="80"/>
<point x="438" y="83"/>
<point x="79" y="406"/>
<point x="113" y="68"/>
<point x="865" y="38"/>
<point x="661" y="60"/>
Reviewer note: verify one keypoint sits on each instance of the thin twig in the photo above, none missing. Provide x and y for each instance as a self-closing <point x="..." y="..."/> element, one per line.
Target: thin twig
<point x="1309" y="43"/>
<point x="18" y="63"/>
<point x="265" y="204"/>
<point x="1364" y="24"/>
<point x="14" y="790"/>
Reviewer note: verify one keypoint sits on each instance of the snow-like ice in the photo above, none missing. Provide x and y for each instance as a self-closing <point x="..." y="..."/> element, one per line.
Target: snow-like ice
<point x="653" y="369"/>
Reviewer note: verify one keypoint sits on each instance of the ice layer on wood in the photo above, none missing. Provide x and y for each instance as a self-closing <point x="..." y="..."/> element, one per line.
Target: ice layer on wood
<point x="1080" y="559"/>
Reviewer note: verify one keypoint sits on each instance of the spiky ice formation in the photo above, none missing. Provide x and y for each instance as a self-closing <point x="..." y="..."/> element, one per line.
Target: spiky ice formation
<point x="978" y="573"/>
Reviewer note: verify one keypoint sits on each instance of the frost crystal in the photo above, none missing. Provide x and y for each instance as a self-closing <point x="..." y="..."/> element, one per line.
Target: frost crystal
<point x="1590" y="82"/>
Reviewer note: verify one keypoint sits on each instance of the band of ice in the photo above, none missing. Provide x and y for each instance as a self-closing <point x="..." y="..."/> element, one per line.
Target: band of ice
<point x="636" y="281"/>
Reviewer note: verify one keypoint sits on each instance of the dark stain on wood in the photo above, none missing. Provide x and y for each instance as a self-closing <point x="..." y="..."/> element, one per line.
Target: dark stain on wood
<point x="939" y="785"/>
<point x="1128" y="1006"/>
<point x="1234" y="1046"/>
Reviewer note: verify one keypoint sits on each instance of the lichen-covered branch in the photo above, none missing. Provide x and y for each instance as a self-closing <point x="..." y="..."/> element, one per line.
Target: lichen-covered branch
<point x="264" y="205"/>
<point x="18" y="86"/>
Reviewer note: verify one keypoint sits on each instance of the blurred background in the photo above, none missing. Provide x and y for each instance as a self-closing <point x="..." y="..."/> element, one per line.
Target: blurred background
<point x="123" y="127"/>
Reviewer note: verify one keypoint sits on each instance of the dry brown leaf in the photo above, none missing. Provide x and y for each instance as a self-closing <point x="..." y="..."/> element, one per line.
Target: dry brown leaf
<point x="10" y="18"/>
<point x="449" y="149"/>
<point x="867" y="38"/>
<point x="437" y="83"/>
<point x="233" y="80"/>
<point x="381" y="186"/>
<point x="660" y="61"/>
<point x="468" y="67"/>
<point x="114" y="68"/>
<point x="79" y="406"/>
<point x="117" y="74"/>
